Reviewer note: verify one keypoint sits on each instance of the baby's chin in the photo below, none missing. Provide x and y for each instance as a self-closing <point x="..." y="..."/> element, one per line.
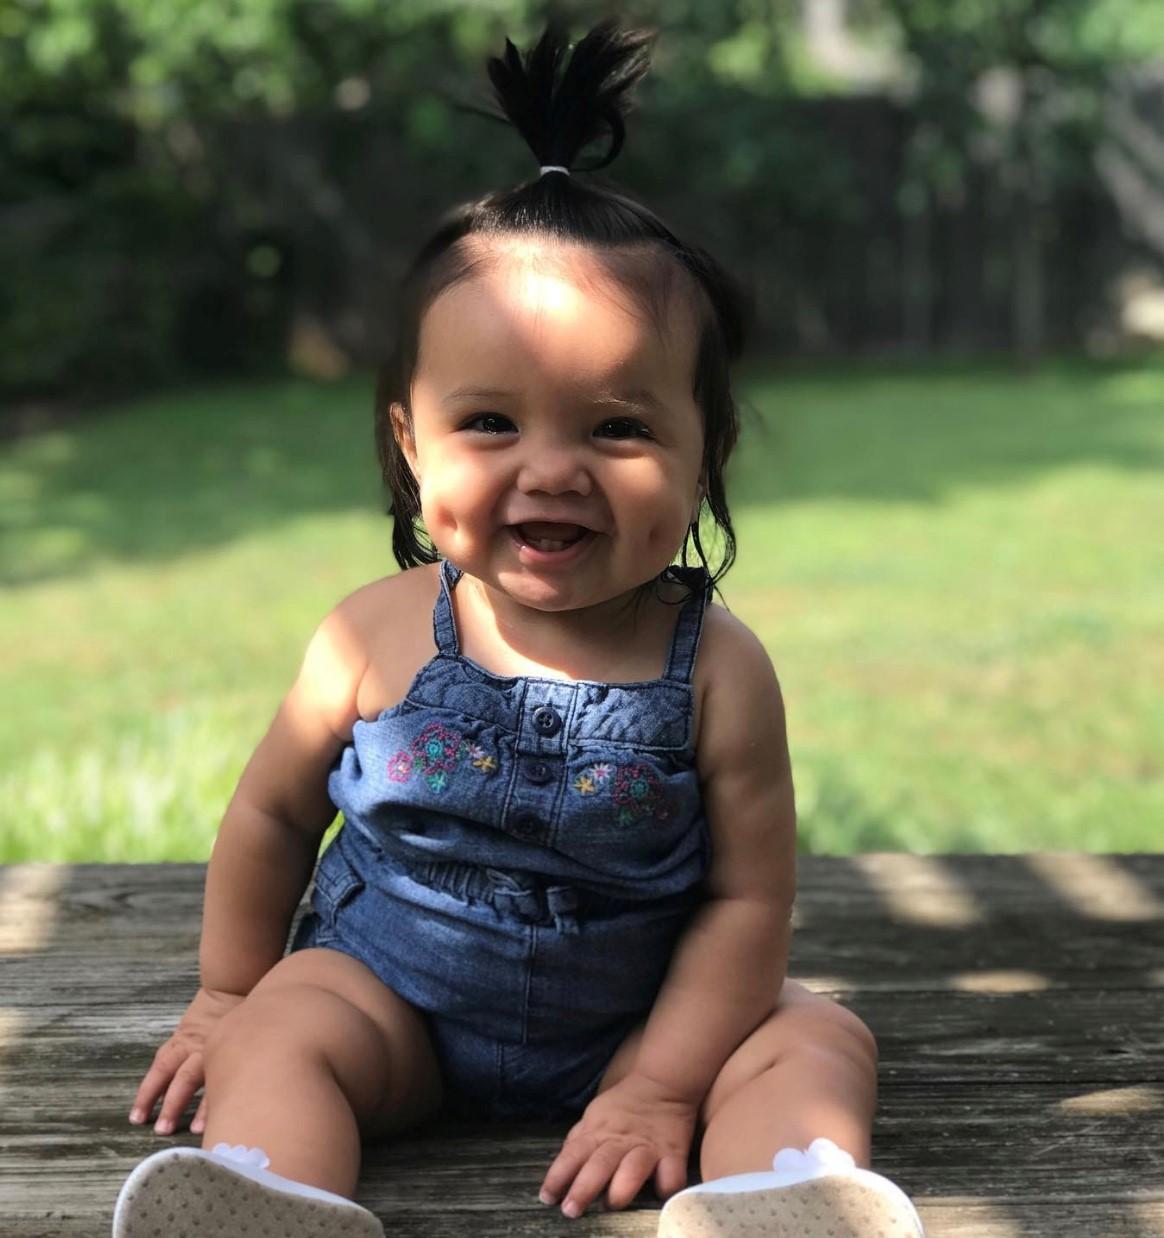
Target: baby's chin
<point x="566" y="596"/>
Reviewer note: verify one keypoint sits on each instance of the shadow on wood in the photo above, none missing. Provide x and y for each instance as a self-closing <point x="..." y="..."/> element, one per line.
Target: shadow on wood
<point x="1016" y="1000"/>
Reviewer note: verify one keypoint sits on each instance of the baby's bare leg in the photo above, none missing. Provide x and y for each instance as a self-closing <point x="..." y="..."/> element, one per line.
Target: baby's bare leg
<point x="320" y="1052"/>
<point x="809" y="1070"/>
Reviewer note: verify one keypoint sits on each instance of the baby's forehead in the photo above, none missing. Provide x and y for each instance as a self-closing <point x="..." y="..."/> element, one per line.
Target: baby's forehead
<point x="548" y="275"/>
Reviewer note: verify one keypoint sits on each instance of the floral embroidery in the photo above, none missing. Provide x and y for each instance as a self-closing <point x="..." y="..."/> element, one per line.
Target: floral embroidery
<point x="636" y="790"/>
<point x="400" y="767"/>
<point x="593" y="777"/>
<point x="638" y="794"/>
<point x="435" y="754"/>
<point x="481" y="759"/>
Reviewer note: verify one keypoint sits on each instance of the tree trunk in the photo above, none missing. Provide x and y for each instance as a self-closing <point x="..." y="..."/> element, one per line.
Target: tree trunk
<point x="1028" y="293"/>
<point x="917" y="288"/>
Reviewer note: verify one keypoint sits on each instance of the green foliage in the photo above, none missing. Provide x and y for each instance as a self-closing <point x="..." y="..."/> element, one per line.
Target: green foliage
<point x="131" y="207"/>
<point x="1048" y="64"/>
<point x="957" y="574"/>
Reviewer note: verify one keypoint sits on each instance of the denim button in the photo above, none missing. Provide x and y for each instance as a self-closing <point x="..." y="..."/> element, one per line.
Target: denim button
<point x="546" y="720"/>
<point x="538" y="772"/>
<point x="525" y="824"/>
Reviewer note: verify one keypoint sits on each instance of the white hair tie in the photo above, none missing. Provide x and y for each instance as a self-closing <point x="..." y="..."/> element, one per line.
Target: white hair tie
<point x="555" y="167"/>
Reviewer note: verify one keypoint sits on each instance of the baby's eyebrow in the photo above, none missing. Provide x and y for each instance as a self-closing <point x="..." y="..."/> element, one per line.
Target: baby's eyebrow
<point x="476" y="393"/>
<point x="636" y="397"/>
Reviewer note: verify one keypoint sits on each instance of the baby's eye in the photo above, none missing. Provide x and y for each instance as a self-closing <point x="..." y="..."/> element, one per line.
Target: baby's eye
<point x="489" y="423"/>
<point x="623" y="427"/>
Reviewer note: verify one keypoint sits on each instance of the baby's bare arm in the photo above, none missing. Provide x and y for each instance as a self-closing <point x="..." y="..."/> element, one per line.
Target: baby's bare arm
<point x="270" y="834"/>
<point x="263" y="856"/>
<point x="728" y="968"/>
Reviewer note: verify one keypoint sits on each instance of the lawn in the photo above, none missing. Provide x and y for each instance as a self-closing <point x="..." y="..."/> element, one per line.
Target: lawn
<point x="958" y="573"/>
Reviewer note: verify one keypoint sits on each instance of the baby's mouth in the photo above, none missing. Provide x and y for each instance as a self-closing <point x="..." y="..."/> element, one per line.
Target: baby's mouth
<point x="550" y="536"/>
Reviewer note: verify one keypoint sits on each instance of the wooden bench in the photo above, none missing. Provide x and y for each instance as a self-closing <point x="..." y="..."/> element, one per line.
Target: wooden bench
<point x="1017" y="1001"/>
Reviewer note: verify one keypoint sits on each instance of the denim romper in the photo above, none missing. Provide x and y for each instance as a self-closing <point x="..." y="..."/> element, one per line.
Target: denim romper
<point x="518" y="858"/>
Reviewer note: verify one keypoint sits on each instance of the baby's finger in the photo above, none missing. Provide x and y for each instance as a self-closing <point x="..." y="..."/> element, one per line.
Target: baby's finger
<point x="629" y="1177"/>
<point x="670" y="1176"/>
<point x="186" y="1082"/>
<point x="572" y="1156"/>
<point x="592" y="1179"/>
<point x="156" y="1080"/>
<point x="198" y="1125"/>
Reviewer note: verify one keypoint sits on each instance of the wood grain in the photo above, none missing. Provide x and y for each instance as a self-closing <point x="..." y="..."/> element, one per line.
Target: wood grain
<point x="1017" y="1002"/>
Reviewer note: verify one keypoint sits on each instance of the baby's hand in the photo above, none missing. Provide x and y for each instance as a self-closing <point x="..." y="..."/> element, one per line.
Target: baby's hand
<point x="628" y="1132"/>
<point x="177" y="1066"/>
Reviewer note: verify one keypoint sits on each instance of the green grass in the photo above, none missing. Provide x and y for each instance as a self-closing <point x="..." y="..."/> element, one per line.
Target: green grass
<point x="958" y="574"/>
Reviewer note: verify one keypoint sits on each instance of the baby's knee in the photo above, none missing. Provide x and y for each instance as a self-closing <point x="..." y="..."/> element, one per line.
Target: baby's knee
<point x="250" y="1027"/>
<point x="297" y="1020"/>
<point x="841" y="1031"/>
<point x="822" y="1032"/>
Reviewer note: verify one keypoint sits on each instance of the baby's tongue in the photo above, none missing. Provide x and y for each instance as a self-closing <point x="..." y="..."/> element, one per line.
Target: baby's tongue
<point x="547" y="531"/>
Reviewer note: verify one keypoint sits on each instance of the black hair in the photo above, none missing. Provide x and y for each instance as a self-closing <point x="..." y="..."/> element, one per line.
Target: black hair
<point x="562" y="100"/>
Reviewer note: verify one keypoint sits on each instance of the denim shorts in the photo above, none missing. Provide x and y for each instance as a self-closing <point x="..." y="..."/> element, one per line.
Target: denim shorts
<point x="518" y="1030"/>
<point x="519" y="858"/>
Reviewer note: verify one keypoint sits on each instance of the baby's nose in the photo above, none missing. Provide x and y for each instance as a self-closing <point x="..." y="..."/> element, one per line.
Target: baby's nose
<point x="554" y="470"/>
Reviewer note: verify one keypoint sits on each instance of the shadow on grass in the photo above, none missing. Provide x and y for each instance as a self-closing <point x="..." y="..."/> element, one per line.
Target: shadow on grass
<point x="173" y="474"/>
<point x="914" y="436"/>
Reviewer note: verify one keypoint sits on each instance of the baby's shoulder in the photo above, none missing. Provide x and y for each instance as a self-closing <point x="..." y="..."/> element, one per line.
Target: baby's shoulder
<point x="727" y="642"/>
<point x="388" y="601"/>
<point x="387" y="626"/>
<point x="734" y="675"/>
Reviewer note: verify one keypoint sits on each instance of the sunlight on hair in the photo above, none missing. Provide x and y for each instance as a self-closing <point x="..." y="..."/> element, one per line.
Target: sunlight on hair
<point x="546" y="293"/>
<point x="1096" y="886"/>
<point x="1143" y="1098"/>
<point x="920" y="890"/>
<point x="1002" y="981"/>
<point x="28" y="906"/>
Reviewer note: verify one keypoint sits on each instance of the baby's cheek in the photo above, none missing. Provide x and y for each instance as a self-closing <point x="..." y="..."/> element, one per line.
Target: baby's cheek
<point x="452" y="512"/>
<point x="666" y="535"/>
<point x="439" y="519"/>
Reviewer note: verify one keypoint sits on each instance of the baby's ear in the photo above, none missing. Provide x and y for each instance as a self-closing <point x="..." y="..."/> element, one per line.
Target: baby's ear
<point x="402" y="433"/>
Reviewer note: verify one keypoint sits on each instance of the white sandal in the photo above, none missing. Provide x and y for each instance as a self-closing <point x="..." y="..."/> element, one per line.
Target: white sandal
<point x="807" y="1195"/>
<point x="230" y="1193"/>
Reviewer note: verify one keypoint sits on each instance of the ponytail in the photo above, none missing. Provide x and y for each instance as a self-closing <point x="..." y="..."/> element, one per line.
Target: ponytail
<point x="561" y="101"/>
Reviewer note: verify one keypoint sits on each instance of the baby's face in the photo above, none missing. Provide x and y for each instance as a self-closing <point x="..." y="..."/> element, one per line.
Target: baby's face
<point x="556" y="441"/>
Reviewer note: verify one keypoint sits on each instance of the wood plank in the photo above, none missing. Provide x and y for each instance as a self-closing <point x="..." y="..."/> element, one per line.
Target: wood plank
<point x="940" y="1140"/>
<point x="890" y="885"/>
<point x="851" y="932"/>
<point x="488" y="1182"/>
<point x="1016" y="1000"/>
<point x="947" y="1218"/>
<point x="1060" y="1035"/>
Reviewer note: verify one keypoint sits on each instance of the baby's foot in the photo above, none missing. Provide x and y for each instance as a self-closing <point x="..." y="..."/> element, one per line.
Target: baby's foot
<point x="807" y="1195"/>
<point x="230" y="1193"/>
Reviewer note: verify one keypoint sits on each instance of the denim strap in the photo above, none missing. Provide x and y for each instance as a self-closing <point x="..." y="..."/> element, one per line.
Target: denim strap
<point x="444" y="629"/>
<point x="685" y="642"/>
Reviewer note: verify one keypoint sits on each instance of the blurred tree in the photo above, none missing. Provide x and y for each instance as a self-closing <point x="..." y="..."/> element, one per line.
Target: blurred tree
<point x="1021" y="82"/>
<point x="133" y="239"/>
<point x="214" y="184"/>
